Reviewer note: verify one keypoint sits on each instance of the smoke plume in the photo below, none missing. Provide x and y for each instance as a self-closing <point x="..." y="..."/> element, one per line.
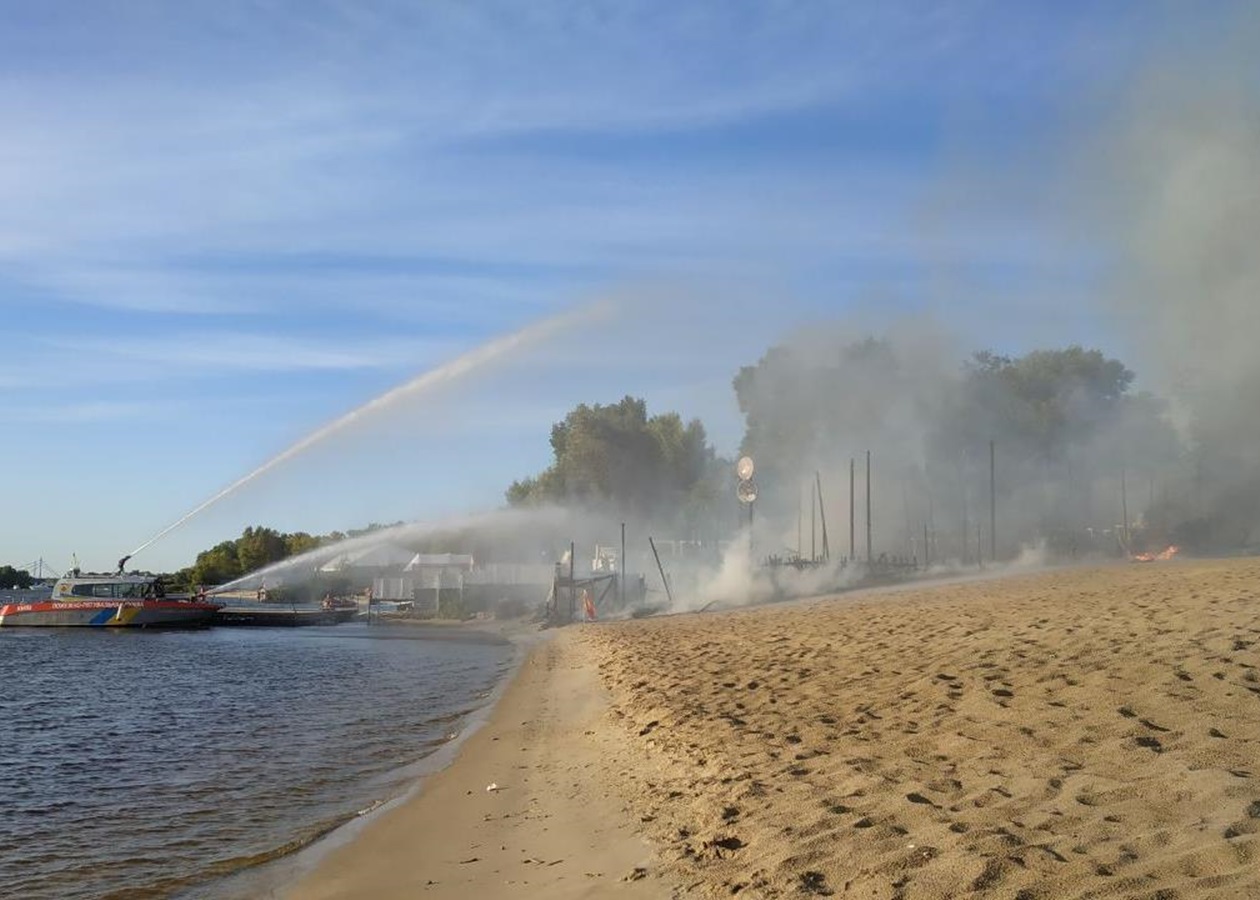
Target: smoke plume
<point x="1184" y="171"/>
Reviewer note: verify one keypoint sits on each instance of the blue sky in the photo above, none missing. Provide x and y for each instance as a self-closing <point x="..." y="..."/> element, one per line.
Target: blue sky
<point x="225" y="224"/>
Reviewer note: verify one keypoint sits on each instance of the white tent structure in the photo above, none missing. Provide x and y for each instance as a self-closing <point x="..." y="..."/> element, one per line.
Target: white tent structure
<point x="435" y="572"/>
<point x="424" y="577"/>
<point x="421" y="562"/>
<point x="378" y="556"/>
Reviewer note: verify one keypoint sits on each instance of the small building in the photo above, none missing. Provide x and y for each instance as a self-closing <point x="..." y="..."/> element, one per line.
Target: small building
<point x="434" y="582"/>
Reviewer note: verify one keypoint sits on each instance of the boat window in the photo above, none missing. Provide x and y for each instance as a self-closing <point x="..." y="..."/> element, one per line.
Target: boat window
<point x="96" y="589"/>
<point x="127" y="590"/>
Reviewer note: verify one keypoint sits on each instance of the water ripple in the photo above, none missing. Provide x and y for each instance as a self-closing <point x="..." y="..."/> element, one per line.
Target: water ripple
<point x="141" y="764"/>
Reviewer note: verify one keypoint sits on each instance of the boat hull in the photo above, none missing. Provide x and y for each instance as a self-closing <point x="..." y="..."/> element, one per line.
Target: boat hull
<point x="277" y="615"/>
<point x="107" y="614"/>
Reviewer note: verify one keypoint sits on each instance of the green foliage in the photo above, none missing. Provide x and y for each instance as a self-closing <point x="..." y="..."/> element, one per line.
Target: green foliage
<point x="300" y="542"/>
<point x="1039" y="404"/>
<point x="14" y="578"/>
<point x="1063" y="421"/>
<point x="616" y="456"/>
<point x="256" y="548"/>
<point x="1044" y="402"/>
<point x="219" y="564"/>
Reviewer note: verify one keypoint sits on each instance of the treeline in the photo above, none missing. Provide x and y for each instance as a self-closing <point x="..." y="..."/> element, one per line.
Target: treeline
<point x="1069" y="427"/>
<point x="255" y="548"/>
<point x="1070" y="434"/>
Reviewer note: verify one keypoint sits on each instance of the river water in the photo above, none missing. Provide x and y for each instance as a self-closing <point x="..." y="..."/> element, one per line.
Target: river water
<point x="146" y="764"/>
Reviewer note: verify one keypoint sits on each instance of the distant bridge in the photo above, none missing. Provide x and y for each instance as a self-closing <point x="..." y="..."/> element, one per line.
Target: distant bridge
<point x="41" y="569"/>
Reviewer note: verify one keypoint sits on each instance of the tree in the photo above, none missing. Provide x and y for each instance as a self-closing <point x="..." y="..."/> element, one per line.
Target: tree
<point x="255" y="548"/>
<point x="16" y="578"/>
<point x="615" y="455"/>
<point x="817" y="401"/>
<point x="259" y="547"/>
<point x="300" y="542"/>
<point x="1064" y="422"/>
<point x="217" y="565"/>
<point x="1043" y="402"/>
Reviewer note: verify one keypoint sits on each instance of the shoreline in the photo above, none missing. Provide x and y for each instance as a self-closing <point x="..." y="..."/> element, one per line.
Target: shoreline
<point x="1082" y="732"/>
<point x="509" y="814"/>
<point x="273" y="878"/>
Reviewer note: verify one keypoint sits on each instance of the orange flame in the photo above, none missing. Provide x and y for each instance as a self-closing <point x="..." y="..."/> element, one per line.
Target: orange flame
<point x="1166" y="553"/>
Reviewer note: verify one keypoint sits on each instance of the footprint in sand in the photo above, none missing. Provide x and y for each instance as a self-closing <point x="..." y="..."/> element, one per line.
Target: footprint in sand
<point x="814" y="883"/>
<point x="730" y="844"/>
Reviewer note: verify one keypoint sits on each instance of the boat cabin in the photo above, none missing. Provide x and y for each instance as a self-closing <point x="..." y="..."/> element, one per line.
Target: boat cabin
<point x="107" y="587"/>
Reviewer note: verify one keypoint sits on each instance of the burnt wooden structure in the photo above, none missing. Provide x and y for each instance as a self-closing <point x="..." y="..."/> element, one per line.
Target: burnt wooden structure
<point x="564" y="605"/>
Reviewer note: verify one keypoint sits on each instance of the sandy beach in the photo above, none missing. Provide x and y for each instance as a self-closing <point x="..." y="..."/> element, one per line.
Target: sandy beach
<point x="548" y="828"/>
<point x="1082" y="733"/>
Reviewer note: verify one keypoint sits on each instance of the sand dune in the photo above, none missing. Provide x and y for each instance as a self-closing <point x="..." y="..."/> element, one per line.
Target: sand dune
<point x="1085" y="733"/>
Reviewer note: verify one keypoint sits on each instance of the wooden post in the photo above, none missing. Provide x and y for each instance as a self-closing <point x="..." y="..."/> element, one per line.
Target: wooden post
<point x="1124" y="509"/>
<point x="621" y="574"/>
<point x="800" y="507"/>
<point x="572" y="589"/>
<point x="813" y="517"/>
<point x="927" y="554"/>
<point x="992" y="505"/>
<point x="909" y="519"/>
<point x="822" y="517"/>
<point x="852" y="533"/>
<point x="868" y="507"/>
<point x="965" y="537"/>
<point x="664" y="580"/>
<point x="750" y="534"/>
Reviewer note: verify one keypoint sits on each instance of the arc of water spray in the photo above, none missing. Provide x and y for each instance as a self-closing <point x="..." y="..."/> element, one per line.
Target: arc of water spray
<point x="431" y="379"/>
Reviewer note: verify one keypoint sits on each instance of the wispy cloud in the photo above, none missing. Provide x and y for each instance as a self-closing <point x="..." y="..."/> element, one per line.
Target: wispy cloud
<point x="332" y="132"/>
<point x="182" y="352"/>
<point x="100" y="411"/>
